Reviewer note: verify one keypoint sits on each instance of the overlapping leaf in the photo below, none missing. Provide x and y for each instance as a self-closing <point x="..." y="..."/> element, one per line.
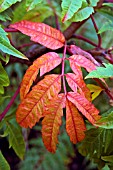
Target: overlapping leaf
<point x="52" y="121"/>
<point x="84" y="106"/>
<point x="81" y="61"/>
<point x="95" y="90"/>
<point x="4" y="4"/>
<point x="45" y="63"/>
<point x="31" y="108"/>
<point x="75" y="125"/>
<point x="102" y="72"/>
<point x="75" y="81"/>
<point x="41" y="33"/>
<point x="3" y="163"/>
<point x="69" y="7"/>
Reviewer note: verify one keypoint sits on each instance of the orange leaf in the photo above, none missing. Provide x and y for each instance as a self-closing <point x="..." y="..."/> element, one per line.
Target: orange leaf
<point x="81" y="61"/>
<point x="31" y="108"/>
<point x="84" y="106"/>
<point x="77" y="50"/>
<point x="52" y="121"/>
<point x="75" y="81"/>
<point x="75" y="125"/>
<point x="46" y="63"/>
<point x="41" y="33"/>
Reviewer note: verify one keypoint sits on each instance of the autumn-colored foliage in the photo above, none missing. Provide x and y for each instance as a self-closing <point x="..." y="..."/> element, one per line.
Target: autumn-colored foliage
<point x="45" y="98"/>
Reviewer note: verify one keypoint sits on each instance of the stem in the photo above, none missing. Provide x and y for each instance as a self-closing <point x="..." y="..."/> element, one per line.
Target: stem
<point x="26" y="45"/>
<point x="80" y="37"/>
<point x="2" y="115"/>
<point x="96" y="29"/>
<point x="103" y="87"/>
<point x="10" y="30"/>
<point x="63" y="66"/>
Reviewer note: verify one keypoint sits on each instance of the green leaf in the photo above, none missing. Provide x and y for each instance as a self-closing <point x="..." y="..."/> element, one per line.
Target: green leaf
<point x="108" y="4"/>
<point x="4" y="16"/>
<point x="95" y="90"/>
<point x="15" y="138"/>
<point x="107" y="158"/>
<point x="82" y="14"/>
<point x="106" y="12"/>
<point x="38" y="14"/>
<point x="4" y="80"/>
<point x="101" y="72"/>
<point x="2" y="98"/>
<point x="69" y="7"/>
<point x="30" y="4"/>
<point x="105" y="27"/>
<point x="106" y="122"/>
<point x="3" y="163"/>
<point x="7" y="3"/>
<point x="93" y="2"/>
<point x="6" y="47"/>
<point x="5" y="59"/>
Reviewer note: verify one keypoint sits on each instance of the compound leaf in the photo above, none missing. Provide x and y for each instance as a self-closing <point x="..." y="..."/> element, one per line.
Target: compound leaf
<point x="84" y="106"/>
<point x="75" y="125"/>
<point x="69" y="7"/>
<point x="52" y="121"/>
<point x="31" y="108"/>
<point x="46" y="63"/>
<point x="41" y="33"/>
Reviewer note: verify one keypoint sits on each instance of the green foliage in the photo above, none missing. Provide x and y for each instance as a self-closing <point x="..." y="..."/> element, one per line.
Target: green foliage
<point x="14" y="133"/>
<point x="106" y="122"/>
<point x="69" y="7"/>
<point x="6" y="15"/>
<point x="4" y="80"/>
<point x="32" y="4"/>
<point x="108" y="4"/>
<point x="82" y="14"/>
<point x="102" y="72"/>
<point x="97" y="143"/>
<point x="93" y="2"/>
<point x="3" y="163"/>
<point x="6" y="47"/>
<point x="107" y="26"/>
<point x="5" y="4"/>
<point x="37" y="157"/>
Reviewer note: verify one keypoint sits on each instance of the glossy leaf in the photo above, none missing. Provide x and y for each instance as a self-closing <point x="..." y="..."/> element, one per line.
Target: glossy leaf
<point x="4" y="79"/>
<point x="45" y="63"/>
<point x="75" y="81"/>
<point x="31" y="108"/>
<point x="4" y="4"/>
<point x="84" y="106"/>
<point x="32" y="4"/>
<point x="82" y="14"/>
<point x="15" y="137"/>
<point x="41" y="33"/>
<point x="7" y="48"/>
<point x="75" y="125"/>
<point x="102" y="72"/>
<point x="81" y="61"/>
<point x="69" y="7"/>
<point x="95" y="90"/>
<point x="3" y="163"/>
<point x="93" y="2"/>
<point x="52" y="121"/>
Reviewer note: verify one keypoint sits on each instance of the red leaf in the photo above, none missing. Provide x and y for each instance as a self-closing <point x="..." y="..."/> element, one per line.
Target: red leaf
<point x="31" y="108"/>
<point x="41" y="33"/>
<point x="82" y="62"/>
<point x="75" y="125"/>
<point x="52" y="121"/>
<point x="46" y="63"/>
<point x="76" y="50"/>
<point x="75" y="81"/>
<point x="84" y="106"/>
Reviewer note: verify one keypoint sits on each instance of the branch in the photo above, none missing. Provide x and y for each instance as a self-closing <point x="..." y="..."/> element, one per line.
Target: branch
<point x="2" y="115"/>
